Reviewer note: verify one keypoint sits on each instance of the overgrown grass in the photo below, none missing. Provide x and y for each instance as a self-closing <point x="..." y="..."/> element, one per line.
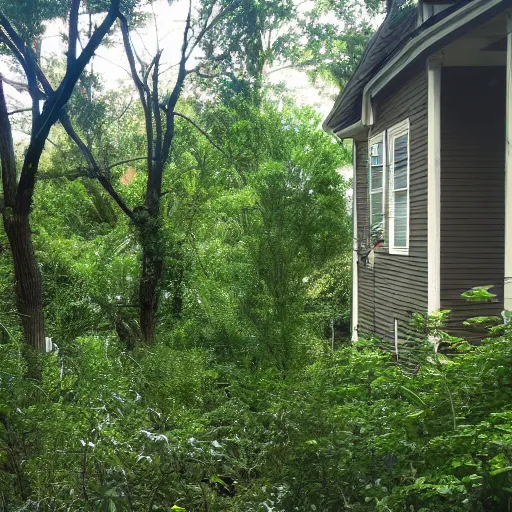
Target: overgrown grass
<point x="164" y="428"/>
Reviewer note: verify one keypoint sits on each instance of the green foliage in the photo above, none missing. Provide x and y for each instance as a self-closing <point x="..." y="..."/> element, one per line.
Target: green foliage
<point x="29" y="15"/>
<point x="249" y="400"/>
<point x="175" y="428"/>
<point x="324" y="38"/>
<point x="333" y="49"/>
<point x="281" y="223"/>
<point x="485" y="321"/>
<point x="479" y="294"/>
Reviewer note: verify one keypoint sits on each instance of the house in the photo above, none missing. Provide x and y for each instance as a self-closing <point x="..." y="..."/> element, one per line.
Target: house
<point x="429" y="110"/>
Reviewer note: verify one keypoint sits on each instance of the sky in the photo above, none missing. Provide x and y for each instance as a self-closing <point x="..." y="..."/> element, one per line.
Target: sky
<point x="164" y="30"/>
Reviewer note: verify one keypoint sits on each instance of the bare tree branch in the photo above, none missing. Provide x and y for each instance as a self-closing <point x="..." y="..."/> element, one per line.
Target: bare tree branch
<point x="41" y="123"/>
<point x="20" y="86"/>
<point x="204" y="133"/>
<point x="141" y="62"/>
<point x="156" y="29"/>
<point x="156" y="110"/>
<point x="147" y="72"/>
<point x="114" y="64"/>
<point x="18" y="48"/>
<point x="84" y="172"/>
<point x="7" y="155"/>
<point x="19" y="111"/>
<point x="208" y="26"/>
<point x="197" y="71"/>
<point x="140" y="87"/>
<point x="73" y="31"/>
<point x="127" y="161"/>
<point x="73" y="175"/>
<point x="178" y="177"/>
<point x="173" y="98"/>
<point x="94" y="167"/>
<point x="125" y="109"/>
<point x="54" y="144"/>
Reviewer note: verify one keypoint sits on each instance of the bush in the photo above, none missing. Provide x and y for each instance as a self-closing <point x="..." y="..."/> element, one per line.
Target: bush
<point x="164" y="428"/>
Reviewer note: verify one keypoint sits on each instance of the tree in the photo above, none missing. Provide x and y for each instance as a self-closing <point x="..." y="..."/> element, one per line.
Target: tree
<point x="20" y="29"/>
<point x="239" y="56"/>
<point x="324" y="39"/>
<point x="159" y="112"/>
<point x="274" y="218"/>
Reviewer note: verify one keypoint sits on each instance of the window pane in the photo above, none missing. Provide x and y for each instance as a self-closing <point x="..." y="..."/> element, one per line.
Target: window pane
<point x="376" y="177"/>
<point x="376" y="185"/>
<point x="400" y="220"/>
<point x="401" y="162"/>
<point x="376" y="227"/>
<point x="401" y="147"/>
<point x="376" y="154"/>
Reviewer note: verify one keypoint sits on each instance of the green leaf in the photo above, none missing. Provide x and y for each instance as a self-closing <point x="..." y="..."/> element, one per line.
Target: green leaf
<point x="482" y="321"/>
<point x="479" y="294"/>
<point x="416" y="414"/>
<point x="500" y="471"/>
<point x="413" y="397"/>
<point x="217" y="480"/>
<point x="444" y="360"/>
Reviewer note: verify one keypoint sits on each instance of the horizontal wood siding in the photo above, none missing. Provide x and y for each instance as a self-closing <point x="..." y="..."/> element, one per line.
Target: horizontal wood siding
<point x="472" y="189"/>
<point x="397" y="285"/>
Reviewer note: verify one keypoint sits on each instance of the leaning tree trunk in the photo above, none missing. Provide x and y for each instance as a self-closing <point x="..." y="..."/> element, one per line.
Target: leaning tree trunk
<point x="28" y="285"/>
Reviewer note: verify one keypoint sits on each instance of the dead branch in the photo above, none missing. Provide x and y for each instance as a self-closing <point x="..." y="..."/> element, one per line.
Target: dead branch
<point x="94" y="167"/>
<point x="19" y="111"/>
<point x="127" y="161"/>
<point x="142" y="89"/>
<point x="73" y="31"/>
<point x="203" y="132"/>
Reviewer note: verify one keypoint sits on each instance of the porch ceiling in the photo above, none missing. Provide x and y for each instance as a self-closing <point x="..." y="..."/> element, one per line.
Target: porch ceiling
<point x="484" y="46"/>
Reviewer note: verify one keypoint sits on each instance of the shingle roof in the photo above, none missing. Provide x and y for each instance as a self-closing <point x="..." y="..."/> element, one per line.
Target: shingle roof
<point x="398" y="28"/>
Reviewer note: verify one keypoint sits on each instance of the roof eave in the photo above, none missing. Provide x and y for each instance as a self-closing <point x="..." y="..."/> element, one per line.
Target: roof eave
<point x="424" y="44"/>
<point x="351" y="131"/>
<point x="428" y="42"/>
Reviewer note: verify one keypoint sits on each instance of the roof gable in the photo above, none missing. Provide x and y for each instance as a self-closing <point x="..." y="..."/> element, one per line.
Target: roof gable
<point x="398" y="24"/>
<point x="399" y="27"/>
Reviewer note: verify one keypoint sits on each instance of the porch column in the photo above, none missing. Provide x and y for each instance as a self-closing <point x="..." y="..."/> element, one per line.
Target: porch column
<point x="355" y="276"/>
<point x="434" y="184"/>
<point x="508" y="174"/>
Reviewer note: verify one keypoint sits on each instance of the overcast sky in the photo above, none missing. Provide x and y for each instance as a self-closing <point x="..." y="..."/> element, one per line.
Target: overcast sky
<point x="164" y="29"/>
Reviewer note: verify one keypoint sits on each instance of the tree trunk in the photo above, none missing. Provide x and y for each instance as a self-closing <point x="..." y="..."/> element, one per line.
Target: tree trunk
<point x="149" y="223"/>
<point x="151" y="275"/>
<point x="28" y="285"/>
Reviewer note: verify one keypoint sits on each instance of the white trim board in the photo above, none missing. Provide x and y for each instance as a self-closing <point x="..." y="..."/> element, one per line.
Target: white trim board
<point x="434" y="185"/>
<point x="381" y="137"/>
<point x="396" y="131"/>
<point x="349" y="131"/>
<point x="508" y="175"/>
<point x="355" y="258"/>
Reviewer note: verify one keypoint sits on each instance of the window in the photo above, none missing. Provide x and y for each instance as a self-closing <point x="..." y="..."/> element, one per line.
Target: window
<point x="377" y="182"/>
<point x="398" y="143"/>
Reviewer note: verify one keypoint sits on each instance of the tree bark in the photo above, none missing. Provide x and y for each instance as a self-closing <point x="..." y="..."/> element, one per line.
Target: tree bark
<point x="150" y="279"/>
<point x="28" y="285"/>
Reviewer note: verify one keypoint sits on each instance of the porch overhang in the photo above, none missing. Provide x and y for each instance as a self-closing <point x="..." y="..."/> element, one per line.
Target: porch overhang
<point x="451" y="24"/>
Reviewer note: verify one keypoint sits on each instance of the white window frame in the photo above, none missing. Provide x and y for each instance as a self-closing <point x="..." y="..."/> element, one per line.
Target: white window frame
<point x="375" y="140"/>
<point x="398" y="130"/>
